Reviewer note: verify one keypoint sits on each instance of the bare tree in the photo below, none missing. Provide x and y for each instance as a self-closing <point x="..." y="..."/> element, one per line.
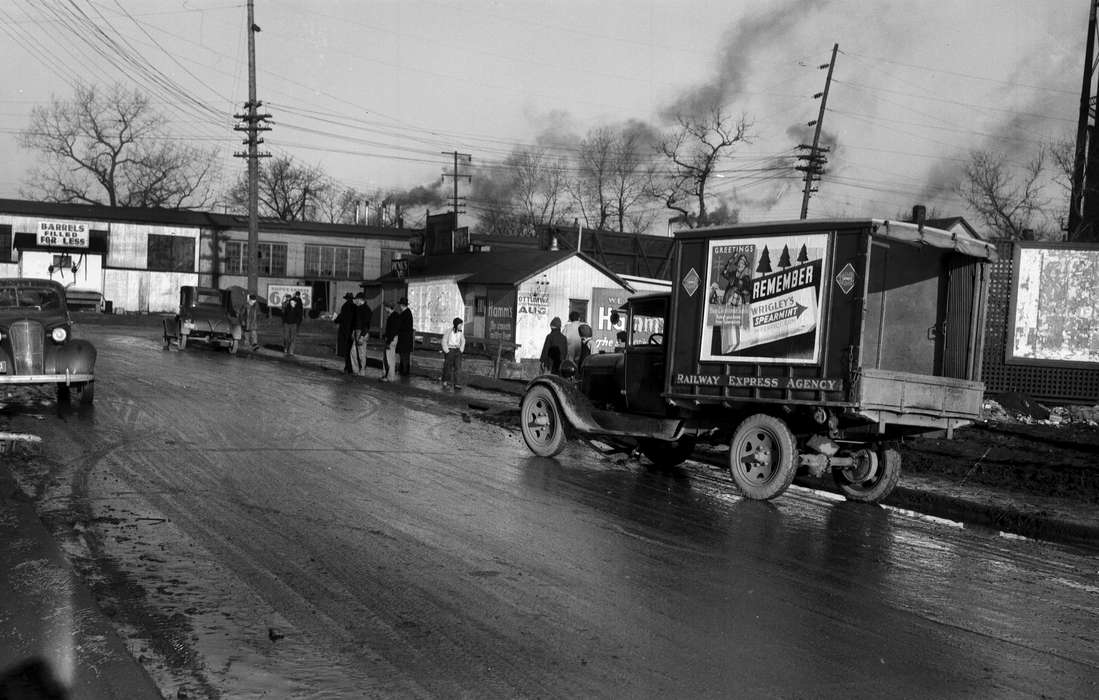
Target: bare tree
<point x="695" y="148"/>
<point x="110" y="147"/>
<point x="591" y="189"/>
<point x="631" y="172"/>
<point x="1009" y="199"/>
<point x="287" y="191"/>
<point x="341" y="205"/>
<point x="539" y="193"/>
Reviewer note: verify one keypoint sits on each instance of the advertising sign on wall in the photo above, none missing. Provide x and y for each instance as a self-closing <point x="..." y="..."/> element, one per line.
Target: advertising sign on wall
<point x="763" y="299"/>
<point x="435" y="305"/>
<point x="1055" y="304"/>
<point x="278" y="293"/>
<point x="501" y="316"/>
<point x="62" y="234"/>
<point x="606" y="300"/>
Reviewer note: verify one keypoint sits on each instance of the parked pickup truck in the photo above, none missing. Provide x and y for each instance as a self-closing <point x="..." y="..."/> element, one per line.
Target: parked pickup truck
<point x="803" y="345"/>
<point x="208" y="315"/>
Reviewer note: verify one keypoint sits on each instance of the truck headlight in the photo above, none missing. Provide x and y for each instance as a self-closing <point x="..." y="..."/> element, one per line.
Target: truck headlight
<point x="59" y="334"/>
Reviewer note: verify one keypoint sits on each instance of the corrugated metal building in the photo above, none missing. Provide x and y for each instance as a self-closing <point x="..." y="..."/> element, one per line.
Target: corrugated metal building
<point x="138" y="258"/>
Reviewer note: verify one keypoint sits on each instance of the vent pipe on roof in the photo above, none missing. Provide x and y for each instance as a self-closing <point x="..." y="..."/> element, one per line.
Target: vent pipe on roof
<point x="919" y="214"/>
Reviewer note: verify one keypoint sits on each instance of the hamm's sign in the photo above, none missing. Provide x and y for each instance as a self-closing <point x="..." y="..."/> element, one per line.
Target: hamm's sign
<point x="62" y="234"/>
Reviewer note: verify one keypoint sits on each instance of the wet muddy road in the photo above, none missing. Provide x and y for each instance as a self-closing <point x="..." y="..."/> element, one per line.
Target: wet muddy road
<point x="258" y="529"/>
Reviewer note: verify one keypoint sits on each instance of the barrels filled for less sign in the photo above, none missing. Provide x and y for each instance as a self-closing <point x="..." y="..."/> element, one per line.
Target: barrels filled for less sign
<point x="763" y="300"/>
<point x="62" y="234"/>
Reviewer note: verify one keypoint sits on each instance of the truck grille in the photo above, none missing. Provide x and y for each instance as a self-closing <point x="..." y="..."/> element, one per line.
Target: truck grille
<point x="27" y="338"/>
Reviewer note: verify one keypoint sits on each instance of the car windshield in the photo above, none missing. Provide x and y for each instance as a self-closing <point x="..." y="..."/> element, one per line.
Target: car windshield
<point x="38" y="298"/>
<point x="208" y="298"/>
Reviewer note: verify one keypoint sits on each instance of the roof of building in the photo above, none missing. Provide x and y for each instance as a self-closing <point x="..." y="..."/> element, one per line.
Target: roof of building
<point x="186" y="217"/>
<point x="504" y="267"/>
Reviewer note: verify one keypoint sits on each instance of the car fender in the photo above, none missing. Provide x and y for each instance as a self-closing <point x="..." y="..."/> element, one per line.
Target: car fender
<point x="76" y="356"/>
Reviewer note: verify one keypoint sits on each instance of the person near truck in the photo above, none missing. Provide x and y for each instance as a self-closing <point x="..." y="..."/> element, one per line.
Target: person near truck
<point x="345" y="324"/>
<point x="293" y="312"/>
<point x="578" y="335"/>
<point x="249" y="321"/>
<point x="359" y="333"/>
<point x="453" y="344"/>
<point x="389" y="340"/>
<point x="555" y="349"/>
<point x="406" y="334"/>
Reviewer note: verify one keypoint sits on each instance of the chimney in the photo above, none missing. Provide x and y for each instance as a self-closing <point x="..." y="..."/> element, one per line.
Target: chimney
<point x="919" y="213"/>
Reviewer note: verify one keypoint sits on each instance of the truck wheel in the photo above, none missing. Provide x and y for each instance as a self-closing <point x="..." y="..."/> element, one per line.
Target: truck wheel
<point x="666" y="455"/>
<point x="63" y="394"/>
<point x="873" y="480"/>
<point x="762" y="457"/>
<point x="543" y="428"/>
<point x="86" y="392"/>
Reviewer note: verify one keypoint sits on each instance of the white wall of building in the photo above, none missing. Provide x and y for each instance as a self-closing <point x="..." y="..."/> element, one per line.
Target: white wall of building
<point x="547" y="295"/>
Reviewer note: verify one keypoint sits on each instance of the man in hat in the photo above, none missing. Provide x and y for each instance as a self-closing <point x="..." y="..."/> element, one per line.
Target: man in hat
<point x="405" y="337"/>
<point x="345" y="325"/>
<point x="389" y="337"/>
<point x="360" y="333"/>
<point x="293" y="312"/>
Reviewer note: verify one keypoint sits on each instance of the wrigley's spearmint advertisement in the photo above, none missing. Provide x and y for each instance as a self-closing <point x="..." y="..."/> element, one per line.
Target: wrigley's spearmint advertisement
<point x="763" y="299"/>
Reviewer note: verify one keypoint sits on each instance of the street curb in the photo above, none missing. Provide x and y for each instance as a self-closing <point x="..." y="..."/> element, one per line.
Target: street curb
<point x="40" y="591"/>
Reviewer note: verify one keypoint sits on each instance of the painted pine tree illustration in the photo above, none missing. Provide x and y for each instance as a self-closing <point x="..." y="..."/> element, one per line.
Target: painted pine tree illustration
<point x="803" y="254"/>
<point x="764" y="262"/>
<point x="784" y="259"/>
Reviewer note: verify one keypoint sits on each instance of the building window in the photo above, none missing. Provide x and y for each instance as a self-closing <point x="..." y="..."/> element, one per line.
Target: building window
<point x="339" y="262"/>
<point x="272" y="259"/>
<point x="171" y="253"/>
<point x="6" y="252"/>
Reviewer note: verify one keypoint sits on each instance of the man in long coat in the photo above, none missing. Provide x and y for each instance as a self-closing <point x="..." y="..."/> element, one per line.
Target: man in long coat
<point x="405" y="338"/>
<point x="345" y="326"/>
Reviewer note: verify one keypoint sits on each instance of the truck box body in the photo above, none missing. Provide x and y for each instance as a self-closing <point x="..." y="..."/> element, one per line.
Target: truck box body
<point x="880" y="319"/>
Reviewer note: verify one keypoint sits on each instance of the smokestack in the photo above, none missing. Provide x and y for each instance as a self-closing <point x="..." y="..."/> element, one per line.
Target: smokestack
<point x="919" y="213"/>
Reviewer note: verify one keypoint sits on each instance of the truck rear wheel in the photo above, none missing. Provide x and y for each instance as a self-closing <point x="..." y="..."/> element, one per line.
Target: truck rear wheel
<point x="762" y="457"/>
<point x="664" y="454"/>
<point x="872" y="481"/>
<point x="541" y="421"/>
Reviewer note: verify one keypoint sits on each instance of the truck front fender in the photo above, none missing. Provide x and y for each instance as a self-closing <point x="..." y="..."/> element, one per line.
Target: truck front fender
<point x="584" y="418"/>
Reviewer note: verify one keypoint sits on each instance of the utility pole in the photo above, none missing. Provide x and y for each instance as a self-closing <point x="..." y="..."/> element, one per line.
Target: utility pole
<point x="455" y="202"/>
<point x="814" y="166"/>
<point x="253" y="124"/>
<point x="1083" y="210"/>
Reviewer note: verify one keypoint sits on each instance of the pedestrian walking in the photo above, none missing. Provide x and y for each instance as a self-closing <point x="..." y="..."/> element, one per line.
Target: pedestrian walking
<point x="555" y="348"/>
<point x="360" y="333"/>
<point x="345" y="324"/>
<point x="293" y="313"/>
<point x="249" y="321"/>
<point x="389" y="341"/>
<point x="405" y="337"/>
<point x="454" y="344"/>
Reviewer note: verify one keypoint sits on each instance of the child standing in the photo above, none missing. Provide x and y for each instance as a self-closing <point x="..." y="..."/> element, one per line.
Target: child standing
<point x="454" y="344"/>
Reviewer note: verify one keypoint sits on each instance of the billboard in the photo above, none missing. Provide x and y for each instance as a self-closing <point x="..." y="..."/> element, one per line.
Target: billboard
<point x="278" y="293"/>
<point x="763" y="298"/>
<point x="1054" y="314"/>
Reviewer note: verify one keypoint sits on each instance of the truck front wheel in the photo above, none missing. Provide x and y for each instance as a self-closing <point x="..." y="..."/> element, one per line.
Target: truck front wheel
<point x="762" y="457"/>
<point x="872" y="480"/>
<point x="542" y="424"/>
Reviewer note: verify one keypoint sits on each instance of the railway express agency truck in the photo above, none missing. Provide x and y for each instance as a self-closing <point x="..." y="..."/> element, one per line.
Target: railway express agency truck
<point x="802" y="345"/>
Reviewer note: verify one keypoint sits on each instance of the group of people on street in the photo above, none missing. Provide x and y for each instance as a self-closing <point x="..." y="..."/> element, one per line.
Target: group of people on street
<point x="353" y="328"/>
<point x="566" y="348"/>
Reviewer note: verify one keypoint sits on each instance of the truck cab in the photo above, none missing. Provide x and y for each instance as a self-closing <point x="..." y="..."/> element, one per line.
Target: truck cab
<point x="633" y="379"/>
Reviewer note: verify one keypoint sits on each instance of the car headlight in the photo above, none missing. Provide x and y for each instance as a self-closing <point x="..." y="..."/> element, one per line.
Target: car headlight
<point x="59" y="334"/>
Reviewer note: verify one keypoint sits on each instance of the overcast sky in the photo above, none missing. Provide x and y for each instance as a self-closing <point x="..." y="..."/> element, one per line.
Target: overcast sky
<point x="375" y="91"/>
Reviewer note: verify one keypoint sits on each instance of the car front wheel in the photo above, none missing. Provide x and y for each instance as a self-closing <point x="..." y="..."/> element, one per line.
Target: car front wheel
<point x="86" y="392"/>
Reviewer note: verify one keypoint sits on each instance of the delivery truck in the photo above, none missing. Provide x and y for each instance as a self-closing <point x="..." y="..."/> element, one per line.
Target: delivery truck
<point x="809" y="345"/>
